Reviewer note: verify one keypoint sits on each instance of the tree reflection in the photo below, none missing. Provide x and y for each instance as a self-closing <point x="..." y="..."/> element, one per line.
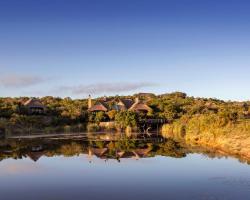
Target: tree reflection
<point x="95" y="147"/>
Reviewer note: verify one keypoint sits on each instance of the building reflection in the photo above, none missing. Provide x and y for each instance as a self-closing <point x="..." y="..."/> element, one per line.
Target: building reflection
<point x="102" y="146"/>
<point x="111" y="148"/>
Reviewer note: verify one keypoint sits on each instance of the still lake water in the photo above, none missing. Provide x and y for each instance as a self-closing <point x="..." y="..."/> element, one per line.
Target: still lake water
<point x="67" y="169"/>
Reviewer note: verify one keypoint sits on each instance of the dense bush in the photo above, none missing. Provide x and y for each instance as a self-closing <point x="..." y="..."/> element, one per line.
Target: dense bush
<point x="174" y="107"/>
<point x="126" y="119"/>
<point x="207" y="127"/>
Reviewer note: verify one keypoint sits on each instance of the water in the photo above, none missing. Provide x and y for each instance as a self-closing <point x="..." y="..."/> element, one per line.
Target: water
<point x="74" y="169"/>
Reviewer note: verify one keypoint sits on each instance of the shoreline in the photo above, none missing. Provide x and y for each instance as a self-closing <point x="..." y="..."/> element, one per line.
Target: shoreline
<point x="102" y="135"/>
<point x="226" y="148"/>
<point x="213" y="148"/>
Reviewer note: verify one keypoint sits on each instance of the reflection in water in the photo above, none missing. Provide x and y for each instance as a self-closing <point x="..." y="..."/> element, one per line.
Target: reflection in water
<point x="103" y="146"/>
<point x="106" y="166"/>
<point x="111" y="148"/>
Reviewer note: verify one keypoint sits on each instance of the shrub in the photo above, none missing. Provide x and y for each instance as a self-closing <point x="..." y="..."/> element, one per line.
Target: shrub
<point x="126" y="118"/>
<point x="93" y="127"/>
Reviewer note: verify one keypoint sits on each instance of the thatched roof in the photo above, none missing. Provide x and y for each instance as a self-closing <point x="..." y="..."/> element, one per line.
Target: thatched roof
<point x="127" y="102"/>
<point x="99" y="106"/>
<point x="32" y="102"/>
<point x="119" y="105"/>
<point x="112" y="104"/>
<point x="140" y="106"/>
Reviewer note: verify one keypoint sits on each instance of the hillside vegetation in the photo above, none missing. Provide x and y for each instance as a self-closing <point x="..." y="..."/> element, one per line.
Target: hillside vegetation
<point x="184" y="115"/>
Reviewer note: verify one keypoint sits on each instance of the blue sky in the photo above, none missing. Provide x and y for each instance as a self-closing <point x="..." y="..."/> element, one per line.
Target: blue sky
<point x="76" y="47"/>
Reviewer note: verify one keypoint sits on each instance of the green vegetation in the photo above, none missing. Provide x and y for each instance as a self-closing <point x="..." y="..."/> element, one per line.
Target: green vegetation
<point x="61" y="115"/>
<point x="126" y="119"/>
<point x="191" y="118"/>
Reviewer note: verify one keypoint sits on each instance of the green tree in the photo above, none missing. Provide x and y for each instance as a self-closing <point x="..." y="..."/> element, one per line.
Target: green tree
<point x="100" y="116"/>
<point x="126" y="118"/>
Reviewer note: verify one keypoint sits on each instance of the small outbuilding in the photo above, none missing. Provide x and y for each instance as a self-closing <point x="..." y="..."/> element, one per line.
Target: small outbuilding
<point x="34" y="106"/>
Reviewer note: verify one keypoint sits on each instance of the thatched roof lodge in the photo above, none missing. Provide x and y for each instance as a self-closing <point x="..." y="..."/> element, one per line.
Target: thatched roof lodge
<point x="118" y="104"/>
<point x="99" y="106"/>
<point x="122" y="104"/>
<point x="34" y="106"/>
<point x="139" y="106"/>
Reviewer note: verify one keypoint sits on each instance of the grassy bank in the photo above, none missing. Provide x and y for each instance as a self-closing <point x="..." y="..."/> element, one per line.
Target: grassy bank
<point x="213" y="131"/>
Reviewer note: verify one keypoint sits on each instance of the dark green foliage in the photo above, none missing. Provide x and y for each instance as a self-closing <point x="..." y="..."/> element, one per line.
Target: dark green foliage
<point x="171" y="107"/>
<point x="126" y="118"/>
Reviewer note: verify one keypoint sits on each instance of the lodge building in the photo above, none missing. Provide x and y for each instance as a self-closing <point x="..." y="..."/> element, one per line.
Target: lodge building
<point x="34" y="106"/>
<point x="118" y="104"/>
